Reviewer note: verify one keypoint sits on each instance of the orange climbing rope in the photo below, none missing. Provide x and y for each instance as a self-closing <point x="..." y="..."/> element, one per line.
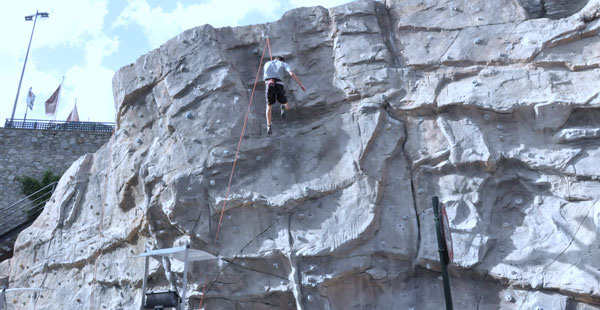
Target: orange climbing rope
<point x="238" y="151"/>
<point x="270" y="55"/>
<point x="242" y="136"/>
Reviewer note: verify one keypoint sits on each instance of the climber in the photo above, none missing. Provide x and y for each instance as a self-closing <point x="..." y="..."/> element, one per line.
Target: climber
<point x="274" y="90"/>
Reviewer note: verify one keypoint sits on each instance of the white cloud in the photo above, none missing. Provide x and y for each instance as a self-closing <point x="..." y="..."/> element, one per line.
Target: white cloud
<point x="91" y="86"/>
<point x="160" y="26"/>
<point x="323" y="3"/>
<point x="99" y="47"/>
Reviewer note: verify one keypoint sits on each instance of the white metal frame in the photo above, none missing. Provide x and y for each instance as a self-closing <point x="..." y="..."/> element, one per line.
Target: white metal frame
<point x="183" y="254"/>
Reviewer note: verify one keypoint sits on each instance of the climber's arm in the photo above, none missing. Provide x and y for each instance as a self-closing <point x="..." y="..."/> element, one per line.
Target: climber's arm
<point x="295" y="77"/>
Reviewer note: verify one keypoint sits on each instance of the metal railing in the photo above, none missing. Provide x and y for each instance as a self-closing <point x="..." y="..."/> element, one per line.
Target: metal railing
<point x="18" y="216"/>
<point x="36" y="124"/>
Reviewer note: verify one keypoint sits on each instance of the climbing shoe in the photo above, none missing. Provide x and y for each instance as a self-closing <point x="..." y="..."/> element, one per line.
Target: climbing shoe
<point x="282" y="111"/>
<point x="269" y="130"/>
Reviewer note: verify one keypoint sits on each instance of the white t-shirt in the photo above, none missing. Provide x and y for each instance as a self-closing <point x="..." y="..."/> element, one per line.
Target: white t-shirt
<point x="275" y="69"/>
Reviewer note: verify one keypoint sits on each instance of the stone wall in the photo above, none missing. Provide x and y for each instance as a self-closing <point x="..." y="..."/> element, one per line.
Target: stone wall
<point x="31" y="152"/>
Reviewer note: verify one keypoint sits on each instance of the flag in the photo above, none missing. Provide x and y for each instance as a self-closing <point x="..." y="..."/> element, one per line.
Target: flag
<point x="52" y="102"/>
<point x="73" y="116"/>
<point x="30" y="99"/>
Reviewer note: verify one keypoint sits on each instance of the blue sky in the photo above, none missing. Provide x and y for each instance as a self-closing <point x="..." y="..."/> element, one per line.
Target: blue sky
<point x="87" y="41"/>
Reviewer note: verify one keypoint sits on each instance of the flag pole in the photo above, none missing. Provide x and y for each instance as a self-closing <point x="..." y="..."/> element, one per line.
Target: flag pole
<point x="58" y="99"/>
<point x="12" y="117"/>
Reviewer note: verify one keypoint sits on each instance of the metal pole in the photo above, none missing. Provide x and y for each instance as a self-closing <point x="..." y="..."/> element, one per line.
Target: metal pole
<point x="185" y="264"/>
<point x="443" y="253"/>
<point x="2" y="298"/>
<point x="12" y="117"/>
<point x="145" y="280"/>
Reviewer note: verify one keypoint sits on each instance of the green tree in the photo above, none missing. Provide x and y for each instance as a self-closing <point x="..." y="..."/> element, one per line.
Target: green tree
<point x="38" y="191"/>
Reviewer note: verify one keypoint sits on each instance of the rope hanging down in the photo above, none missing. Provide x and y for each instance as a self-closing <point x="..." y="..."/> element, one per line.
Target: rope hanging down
<point x="237" y="152"/>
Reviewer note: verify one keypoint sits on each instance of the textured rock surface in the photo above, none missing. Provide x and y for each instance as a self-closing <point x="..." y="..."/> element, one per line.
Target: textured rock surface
<point x="494" y="111"/>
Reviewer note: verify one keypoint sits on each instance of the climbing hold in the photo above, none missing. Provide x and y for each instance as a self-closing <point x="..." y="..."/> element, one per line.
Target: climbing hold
<point x="500" y="127"/>
<point x="505" y="225"/>
<point x="508" y="297"/>
<point x="189" y="115"/>
<point x="226" y="152"/>
<point x="212" y="182"/>
<point x="477" y="41"/>
<point x="486" y="117"/>
<point x="405" y="217"/>
<point x="420" y="191"/>
<point x="139" y="140"/>
<point x="258" y="157"/>
<point x="309" y="297"/>
<point x="301" y="216"/>
<point x="501" y="249"/>
<point x="518" y="200"/>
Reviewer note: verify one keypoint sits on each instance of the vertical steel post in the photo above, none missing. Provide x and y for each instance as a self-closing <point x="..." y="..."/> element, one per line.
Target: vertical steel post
<point x="2" y="298"/>
<point x="147" y="258"/>
<point x="12" y="117"/>
<point x="443" y="252"/>
<point x="185" y="264"/>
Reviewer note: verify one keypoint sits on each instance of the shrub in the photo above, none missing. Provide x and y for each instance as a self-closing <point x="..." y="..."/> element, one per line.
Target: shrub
<point x="31" y="186"/>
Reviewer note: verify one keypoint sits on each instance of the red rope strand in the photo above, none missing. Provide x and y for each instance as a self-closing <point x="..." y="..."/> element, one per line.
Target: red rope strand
<point x="269" y="44"/>
<point x="240" y="141"/>
<point x="237" y="153"/>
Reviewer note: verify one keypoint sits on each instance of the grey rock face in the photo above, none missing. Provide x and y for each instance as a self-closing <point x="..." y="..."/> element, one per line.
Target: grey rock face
<point x="333" y="211"/>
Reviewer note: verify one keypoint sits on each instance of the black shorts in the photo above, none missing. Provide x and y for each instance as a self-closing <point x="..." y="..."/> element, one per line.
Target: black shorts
<point x="275" y="92"/>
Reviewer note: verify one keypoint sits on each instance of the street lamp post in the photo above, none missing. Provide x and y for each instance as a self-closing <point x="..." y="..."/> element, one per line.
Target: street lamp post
<point x="27" y="18"/>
